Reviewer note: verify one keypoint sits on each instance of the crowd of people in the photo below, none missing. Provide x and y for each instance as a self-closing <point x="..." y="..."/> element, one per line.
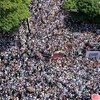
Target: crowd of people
<point x="28" y="63"/>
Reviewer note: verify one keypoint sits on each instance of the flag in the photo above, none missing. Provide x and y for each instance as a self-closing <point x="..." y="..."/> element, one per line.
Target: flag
<point x="58" y="54"/>
<point x="59" y="51"/>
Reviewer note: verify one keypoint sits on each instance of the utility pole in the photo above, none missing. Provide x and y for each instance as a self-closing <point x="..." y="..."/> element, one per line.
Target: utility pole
<point x="28" y="26"/>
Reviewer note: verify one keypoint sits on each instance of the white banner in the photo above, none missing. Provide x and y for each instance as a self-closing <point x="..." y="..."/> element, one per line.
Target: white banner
<point x="93" y="54"/>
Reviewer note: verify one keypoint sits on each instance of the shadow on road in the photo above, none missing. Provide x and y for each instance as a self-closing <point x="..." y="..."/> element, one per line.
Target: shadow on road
<point x="79" y="26"/>
<point x="6" y="41"/>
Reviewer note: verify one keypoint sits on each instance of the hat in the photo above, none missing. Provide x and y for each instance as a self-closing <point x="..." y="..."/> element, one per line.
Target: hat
<point x="30" y="89"/>
<point x="98" y="60"/>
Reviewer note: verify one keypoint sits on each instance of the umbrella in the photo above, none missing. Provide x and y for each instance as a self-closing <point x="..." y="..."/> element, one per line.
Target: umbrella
<point x="95" y="97"/>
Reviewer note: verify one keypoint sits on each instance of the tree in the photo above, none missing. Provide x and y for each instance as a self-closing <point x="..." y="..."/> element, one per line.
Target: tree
<point x="89" y="8"/>
<point x="70" y="4"/>
<point x="12" y="12"/>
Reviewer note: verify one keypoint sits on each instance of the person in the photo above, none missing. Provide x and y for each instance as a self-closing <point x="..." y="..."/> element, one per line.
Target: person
<point x="30" y="64"/>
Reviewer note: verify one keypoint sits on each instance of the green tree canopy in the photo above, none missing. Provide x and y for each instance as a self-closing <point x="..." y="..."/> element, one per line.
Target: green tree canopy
<point x="69" y="4"/>
<point x="12" y="12"/>
<point x="90" y="8"/>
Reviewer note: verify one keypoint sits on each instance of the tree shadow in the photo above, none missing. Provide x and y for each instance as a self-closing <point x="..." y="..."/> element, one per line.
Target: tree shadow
<point x="75" y="25"/>
<point x="7" y="40"/>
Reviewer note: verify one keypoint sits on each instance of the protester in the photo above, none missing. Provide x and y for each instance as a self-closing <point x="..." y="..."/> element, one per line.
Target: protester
<point x="27" y="70"/>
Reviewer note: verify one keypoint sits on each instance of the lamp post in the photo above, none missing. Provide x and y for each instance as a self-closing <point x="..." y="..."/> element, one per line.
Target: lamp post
<point x="28" y="26"/>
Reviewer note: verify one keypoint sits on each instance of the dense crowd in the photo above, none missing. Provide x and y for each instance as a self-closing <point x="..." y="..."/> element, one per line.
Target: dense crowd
<point x="28" y="63"/>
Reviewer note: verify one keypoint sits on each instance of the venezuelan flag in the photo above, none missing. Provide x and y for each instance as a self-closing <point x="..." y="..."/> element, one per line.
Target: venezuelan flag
<point x="58" y="54"/>
<point x="60" y="51"/>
